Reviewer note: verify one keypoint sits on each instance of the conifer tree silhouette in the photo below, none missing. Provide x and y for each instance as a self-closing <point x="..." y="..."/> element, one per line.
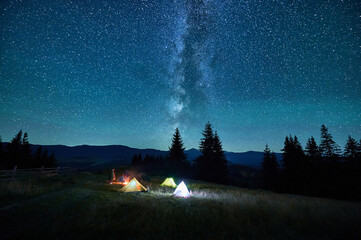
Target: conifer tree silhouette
<point x="294" y="166"/>
<point x="176" y="151"/>
<point x="204" y="164"/>
<point x="26" y="155"/>
<point x="328" y="147"/>
<point x="270" y="169"/>
<point x="212" y="164"/>
<point x="351" y="151"/>
<point x="220" y="160"/>
<point x="176" y="158"/>
<point x="312" y="150"/>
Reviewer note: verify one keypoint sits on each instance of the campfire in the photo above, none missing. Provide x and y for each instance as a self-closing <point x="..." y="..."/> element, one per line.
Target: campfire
<point x="122" y="180"/>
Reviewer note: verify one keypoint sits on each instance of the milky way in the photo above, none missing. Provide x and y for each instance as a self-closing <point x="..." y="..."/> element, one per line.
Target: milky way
<point x="129" y="72"/>
<point x="190" y="71"/>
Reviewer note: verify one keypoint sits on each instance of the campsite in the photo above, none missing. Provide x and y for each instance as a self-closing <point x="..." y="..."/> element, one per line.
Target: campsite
<point x="85" y="206"/>
<point x="180" y="119"/>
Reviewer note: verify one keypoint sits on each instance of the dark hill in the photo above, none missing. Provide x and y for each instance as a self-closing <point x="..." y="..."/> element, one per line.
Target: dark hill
<point x="85" y="156"/>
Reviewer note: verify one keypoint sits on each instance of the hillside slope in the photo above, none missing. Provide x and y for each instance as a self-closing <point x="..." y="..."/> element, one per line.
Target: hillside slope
<point x="85" y="207"/>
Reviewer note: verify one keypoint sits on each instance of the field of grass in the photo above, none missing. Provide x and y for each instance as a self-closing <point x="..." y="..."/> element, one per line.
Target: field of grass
<point x="83" y="206"/>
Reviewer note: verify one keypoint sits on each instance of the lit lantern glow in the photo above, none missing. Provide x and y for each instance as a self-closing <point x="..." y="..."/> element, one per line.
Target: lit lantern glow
<point x="182" y="191"/>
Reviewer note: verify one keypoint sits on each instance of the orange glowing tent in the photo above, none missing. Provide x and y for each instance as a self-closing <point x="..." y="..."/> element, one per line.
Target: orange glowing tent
<point x="133" y="186"/>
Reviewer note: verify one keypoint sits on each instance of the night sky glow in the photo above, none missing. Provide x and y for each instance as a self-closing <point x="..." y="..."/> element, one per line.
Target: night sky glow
<point x="129" y="72"/>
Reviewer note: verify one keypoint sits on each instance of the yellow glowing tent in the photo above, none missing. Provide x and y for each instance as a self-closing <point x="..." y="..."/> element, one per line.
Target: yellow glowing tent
<point x="133" y="186"/>
<point x="169" y="182"/>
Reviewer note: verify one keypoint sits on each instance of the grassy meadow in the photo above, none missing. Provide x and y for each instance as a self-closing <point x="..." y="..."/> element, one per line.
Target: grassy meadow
<point x="83" y="206"/>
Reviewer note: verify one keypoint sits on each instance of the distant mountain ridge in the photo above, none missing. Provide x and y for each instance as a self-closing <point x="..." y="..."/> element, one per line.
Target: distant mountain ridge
<point x="87" y="155"/>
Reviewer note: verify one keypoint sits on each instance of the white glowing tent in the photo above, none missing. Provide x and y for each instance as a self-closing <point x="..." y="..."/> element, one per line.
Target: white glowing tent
<point x="182" y="191"/>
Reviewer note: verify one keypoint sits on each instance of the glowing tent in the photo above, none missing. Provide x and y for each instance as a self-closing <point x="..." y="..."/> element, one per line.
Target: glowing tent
<point x="133" y="186"/>
<point x="182" y="191"/>
<point x="169" y="182"/>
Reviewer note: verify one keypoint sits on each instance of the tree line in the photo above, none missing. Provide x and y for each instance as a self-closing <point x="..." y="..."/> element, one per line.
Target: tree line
<point x="211" y="165"/>
<point x="18" y="153"/>
<point x="318" y="169"/>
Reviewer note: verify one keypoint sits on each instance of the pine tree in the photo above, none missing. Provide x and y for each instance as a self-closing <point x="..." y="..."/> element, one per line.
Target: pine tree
<point x="294" y="166"/>
<point x="312" y="150"/>
<point x="266" y="155"/>
<point x="270" y="169"/>
<point x="1" y="145"/>
<point x="274" y="163"/>
<point x="212" y="164"/>
<point x="328" y="148"/>
<point x="315" y="171"/>
<point x="1" y="151"/>
<point x="297" y="146"/>
<point x="3" y="162"/>
<point x="291" y="150"/>
<point x="352" y="171"/>
<point x="25" y="140"/>
<point x="351" y="150"/>
<point x="331" y="166"/>
<point x="265" y="166"/>
<point x="220" y="160"/>
<point x="176" y="152"/>
<point x="207" y="142"/>
<point x="176" y="159"/>
<point x="17" y="138"/>
<point x="204" y="164"/>
<point x="358" y="160"/>
<point x="26" y="156"/>
<point x="359" y="153"/>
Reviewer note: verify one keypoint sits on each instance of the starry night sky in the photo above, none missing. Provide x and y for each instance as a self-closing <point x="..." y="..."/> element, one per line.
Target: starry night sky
<point x="129" y="72"/>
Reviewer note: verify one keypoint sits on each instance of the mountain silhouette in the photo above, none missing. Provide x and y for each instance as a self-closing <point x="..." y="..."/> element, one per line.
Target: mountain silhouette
<point x="90" y="157"/>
